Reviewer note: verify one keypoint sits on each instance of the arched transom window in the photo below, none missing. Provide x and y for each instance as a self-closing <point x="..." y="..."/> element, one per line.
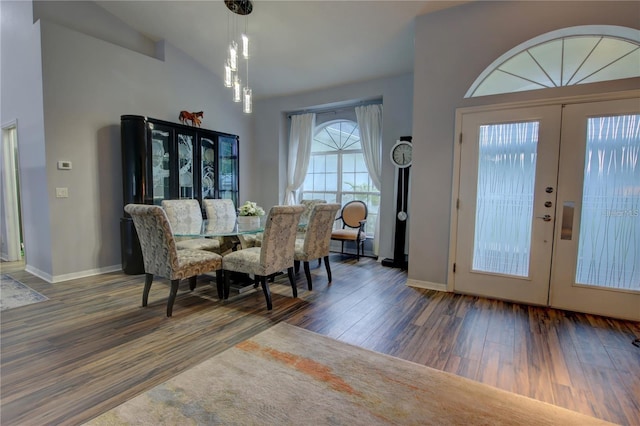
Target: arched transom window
<point x="567" y="57"/>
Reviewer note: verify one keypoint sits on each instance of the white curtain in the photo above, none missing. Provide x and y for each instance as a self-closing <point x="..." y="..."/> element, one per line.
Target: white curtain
<point x="300" y="138"/>
<point x="370" y="124"/>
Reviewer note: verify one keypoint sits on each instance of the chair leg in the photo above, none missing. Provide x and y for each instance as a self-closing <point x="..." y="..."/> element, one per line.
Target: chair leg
<point x="172" y="296"/>
<point x="342" y="249"/>
<point x="192" y="282"/>
<point x="319" y="261"/>
<point x="307" y="273"/>
<point x="296" y="265"/>
<point x="148" y="279"/>
<point x="292" y="281"/>
<point x="357" y="250"/>
<point x="267" y="293"/>
<point x="326" y="265"/>
<point x="220" y="284"/>
<point x="227" y="284"/>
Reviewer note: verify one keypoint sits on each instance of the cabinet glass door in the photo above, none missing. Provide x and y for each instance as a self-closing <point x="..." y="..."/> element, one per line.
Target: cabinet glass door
<point x="160" y="164"/>
<point x="228" y="168"/>
<point x="208" y="155"/>
<point x="185" y="165"/>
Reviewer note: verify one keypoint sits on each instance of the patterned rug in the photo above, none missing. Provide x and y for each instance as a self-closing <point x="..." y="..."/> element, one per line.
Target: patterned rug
<point x="290" y="376"/>
<point x="14" y="294"/>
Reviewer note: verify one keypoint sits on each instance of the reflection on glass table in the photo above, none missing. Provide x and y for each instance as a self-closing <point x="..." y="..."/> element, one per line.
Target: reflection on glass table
<point x="215" y="229"/>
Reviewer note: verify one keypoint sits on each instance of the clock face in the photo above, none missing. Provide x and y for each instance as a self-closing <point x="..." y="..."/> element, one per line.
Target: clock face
<point x="401" y="154"/>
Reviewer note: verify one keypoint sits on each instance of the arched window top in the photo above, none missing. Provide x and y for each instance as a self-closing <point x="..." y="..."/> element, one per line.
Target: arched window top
<point x="337" y="135"/>
<point x="566" y="57"/>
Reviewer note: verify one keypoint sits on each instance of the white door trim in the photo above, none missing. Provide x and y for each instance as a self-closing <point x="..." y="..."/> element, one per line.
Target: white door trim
<point x="11" y="251"/>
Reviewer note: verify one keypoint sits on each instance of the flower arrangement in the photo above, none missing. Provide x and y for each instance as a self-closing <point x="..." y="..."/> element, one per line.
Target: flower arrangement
<point x="250" y="208"/>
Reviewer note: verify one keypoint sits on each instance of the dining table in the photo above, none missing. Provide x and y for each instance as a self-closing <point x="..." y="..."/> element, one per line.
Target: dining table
<point x="232" y="234"/>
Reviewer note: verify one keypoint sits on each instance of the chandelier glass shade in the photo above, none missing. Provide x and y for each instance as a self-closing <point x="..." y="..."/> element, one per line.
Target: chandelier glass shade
<point x="234" y="64"/>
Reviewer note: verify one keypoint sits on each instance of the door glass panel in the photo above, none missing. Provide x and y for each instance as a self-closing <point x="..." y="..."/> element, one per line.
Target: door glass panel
<point x="185" y="165"/>
<point x="208" y="168"/>
<point x="608" y="250"/>
<point x="160" y="165"/>
<point x="505" y="191"/>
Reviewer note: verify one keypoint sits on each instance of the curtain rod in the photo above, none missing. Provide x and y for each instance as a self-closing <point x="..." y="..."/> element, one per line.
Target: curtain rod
<point x="336" y="109"/>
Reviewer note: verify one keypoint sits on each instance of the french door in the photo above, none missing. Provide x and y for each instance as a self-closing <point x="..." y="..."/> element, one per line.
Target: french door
<point x="548" y="206"/>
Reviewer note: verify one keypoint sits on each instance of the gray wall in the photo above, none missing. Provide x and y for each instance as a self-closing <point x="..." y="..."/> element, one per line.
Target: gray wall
<point x="21" y="100"/>
<point x="453" y="47"/>
<point x="86" y="84"/>
<point x="271" y="129"/>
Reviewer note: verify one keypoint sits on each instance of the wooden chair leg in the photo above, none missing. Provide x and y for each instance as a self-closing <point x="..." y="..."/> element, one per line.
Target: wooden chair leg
<point x="296" y="265"/>
<point x="307" y="273"/>
<point x="267" y="293"/>
<point x="292" y="281"/>
<point x="220" y="284"/>
<point x="326" y="265"/>
<point x="148" y="279"/>
<point x="192" y="282"/>
<point x="172" y="296"/>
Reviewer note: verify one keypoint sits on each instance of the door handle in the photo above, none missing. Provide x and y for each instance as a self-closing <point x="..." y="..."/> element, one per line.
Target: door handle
<point x="546" y="218"/>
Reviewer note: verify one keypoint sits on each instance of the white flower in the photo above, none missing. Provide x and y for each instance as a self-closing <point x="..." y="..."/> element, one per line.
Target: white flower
<point x="250" y="208"/>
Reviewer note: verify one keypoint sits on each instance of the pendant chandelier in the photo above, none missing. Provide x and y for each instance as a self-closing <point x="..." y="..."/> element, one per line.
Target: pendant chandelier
<point x="238" y="40"/>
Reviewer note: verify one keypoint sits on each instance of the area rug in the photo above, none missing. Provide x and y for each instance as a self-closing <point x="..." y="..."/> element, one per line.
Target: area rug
<point x="289" y="376"/>
<point x="14" y="294"/>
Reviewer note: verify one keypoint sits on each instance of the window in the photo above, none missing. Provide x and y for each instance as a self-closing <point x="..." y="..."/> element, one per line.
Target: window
<point x="566" y="57"/>
<point x="337" y="171"/>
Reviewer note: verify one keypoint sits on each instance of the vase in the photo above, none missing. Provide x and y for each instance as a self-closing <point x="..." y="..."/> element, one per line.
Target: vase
<point x="248" y="222"/>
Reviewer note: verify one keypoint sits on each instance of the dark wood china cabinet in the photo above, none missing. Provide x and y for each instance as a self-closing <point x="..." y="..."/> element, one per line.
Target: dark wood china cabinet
<point x="163" y="160"/>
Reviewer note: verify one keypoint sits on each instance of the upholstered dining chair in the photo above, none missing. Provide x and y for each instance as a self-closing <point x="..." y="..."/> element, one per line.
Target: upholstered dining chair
<point x="185" y="216"/>
<point x="317" y="239"/>
<point x="275" y="254"/>
<point x="306" y="214"/>
<point x="354" y="218"/>
<point x="161" y="257"/>
<point x="222" y="211"/>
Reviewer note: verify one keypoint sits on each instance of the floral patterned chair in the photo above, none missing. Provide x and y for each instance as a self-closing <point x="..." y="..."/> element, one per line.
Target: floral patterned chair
<point x="354" y="218"/>
<point x="274" y="255"/>
<point x="317" y="239"/>
<point x="306" y="214"/>
<point x="185" y="217"/>
<point x="161" y="257"/>
<point x="223" y="213"/>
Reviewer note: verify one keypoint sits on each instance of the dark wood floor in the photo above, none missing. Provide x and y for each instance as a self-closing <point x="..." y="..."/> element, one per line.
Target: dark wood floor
<point x="91" y="346"/>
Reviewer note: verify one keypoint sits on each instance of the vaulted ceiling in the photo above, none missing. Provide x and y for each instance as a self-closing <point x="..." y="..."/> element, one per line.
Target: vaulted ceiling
<point x="296" y="45"/>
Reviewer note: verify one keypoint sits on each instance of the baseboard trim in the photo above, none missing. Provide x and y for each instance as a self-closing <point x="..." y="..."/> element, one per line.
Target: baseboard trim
<point x="66" y="277"/>
<point x="426" y="285"/>
<point x="38" y="273"/>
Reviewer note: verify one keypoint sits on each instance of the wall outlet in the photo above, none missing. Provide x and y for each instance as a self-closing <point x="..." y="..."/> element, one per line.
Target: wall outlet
<point x="62" y="192"/>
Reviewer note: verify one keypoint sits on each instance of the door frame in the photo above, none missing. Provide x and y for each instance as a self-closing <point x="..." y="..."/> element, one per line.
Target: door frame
<point x="11" y="192"/>
<point x="460" y="113"/>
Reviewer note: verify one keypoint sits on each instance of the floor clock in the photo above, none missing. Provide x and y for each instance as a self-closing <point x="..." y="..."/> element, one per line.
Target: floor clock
<point x="402" y="158"/>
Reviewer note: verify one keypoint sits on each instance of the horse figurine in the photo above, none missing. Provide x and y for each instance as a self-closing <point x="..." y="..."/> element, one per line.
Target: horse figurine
<point x="193" y="117"/>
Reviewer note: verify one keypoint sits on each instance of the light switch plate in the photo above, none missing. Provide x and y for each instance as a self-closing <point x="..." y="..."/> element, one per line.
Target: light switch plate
<point x="64" y="165"/>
